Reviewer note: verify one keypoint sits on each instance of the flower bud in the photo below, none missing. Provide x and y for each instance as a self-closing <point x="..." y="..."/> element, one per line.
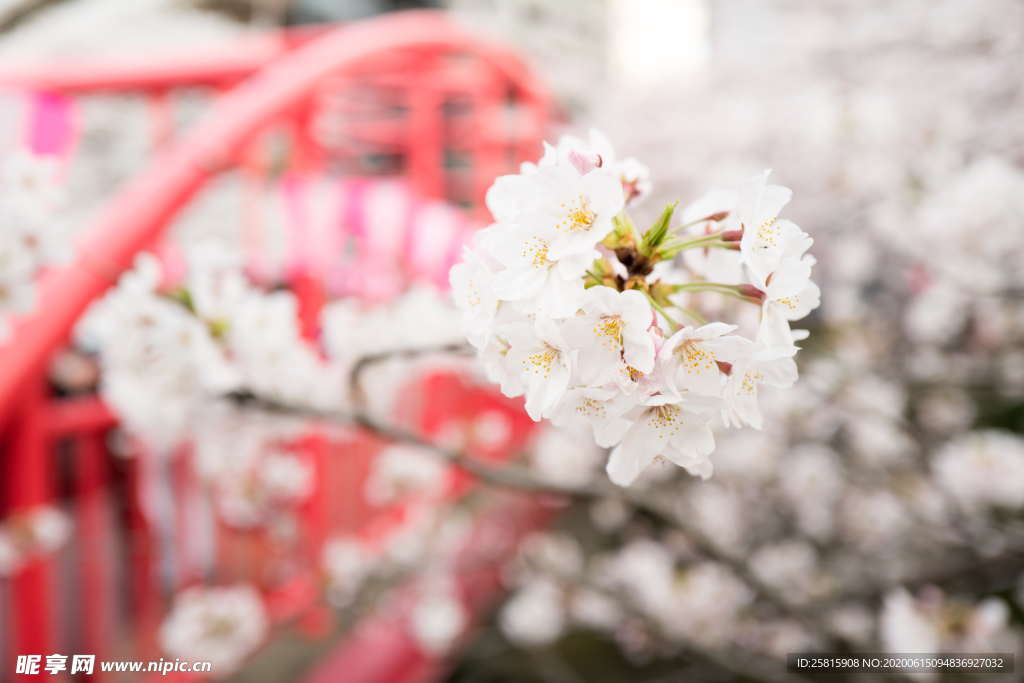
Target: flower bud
<point x="622" y="235"/>
<point x="751" y="292"/>
<point x="631" y="190"/>
<point x="732" y="235"/>
<point x="584" y="163"/>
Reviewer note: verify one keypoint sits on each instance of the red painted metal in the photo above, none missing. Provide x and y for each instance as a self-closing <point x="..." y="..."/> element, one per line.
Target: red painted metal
<point x="92" y="517"/>
<point x="30" y="483"/>
<point x="209" y="67"/>
<point x="78" y="415"/>
<point x="162" y="117"/>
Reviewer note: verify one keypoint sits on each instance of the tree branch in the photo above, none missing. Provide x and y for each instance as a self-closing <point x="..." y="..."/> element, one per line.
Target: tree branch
<point x="516" y="478"/>
<point x="20" y="12"/>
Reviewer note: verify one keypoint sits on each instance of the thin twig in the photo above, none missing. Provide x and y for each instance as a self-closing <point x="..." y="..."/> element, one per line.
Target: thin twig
<point x="365" y="362"/>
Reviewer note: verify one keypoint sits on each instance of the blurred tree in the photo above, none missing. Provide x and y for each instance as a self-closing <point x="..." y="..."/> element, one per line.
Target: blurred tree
<point x="14" y="12"/>
<point x="312" y="11"/>
<point x="293" y="12"/>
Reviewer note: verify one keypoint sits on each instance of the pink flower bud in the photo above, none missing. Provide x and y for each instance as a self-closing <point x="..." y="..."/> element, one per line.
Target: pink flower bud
<point x="584" y="163"/>
<point x="629" y="189"/>
<point x="751" y="292"/>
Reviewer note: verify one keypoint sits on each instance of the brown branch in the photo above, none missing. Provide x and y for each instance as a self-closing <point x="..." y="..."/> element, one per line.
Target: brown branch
<point x="20" y="12"/>
<point x="811" y="616"/>
<point x="517" y="478"/>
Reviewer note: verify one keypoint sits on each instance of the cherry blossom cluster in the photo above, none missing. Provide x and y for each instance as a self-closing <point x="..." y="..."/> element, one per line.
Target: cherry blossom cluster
<point x="31" y="235"/>
<point x="168" y="347"/>
<point x="592" y="320"/>
<point x="916" y="375"/>
<point x="256" y="476"/>
<point x="556" y="585"/>
<point x="426" y="543"/>
<point x="934" y="620"/>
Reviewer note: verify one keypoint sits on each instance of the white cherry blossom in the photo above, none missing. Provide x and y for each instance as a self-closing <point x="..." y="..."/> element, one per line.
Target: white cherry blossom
<point x="983" y="468"/>
<point x="499" y="368"/>
<point x="600" y="408"/>
<point x="473" y="291"/>
<point x="531" y="274"/>
<point x="787" y="298"/>
<point x="33" y="233"/>
<point x="597" y="152"/>
<point x="663" y="431"/>
<point x="546" y="362"/>
<point x="438" y="618"/>
<point x="691" y="357"/>
<point x="534" y="615"/>
<point x="612" y="334"/>
<point x="401" y="471"/>
<point x="222" y="625"/>
<point x="759" y="364"/>
<point x="346" y="563"/>
<point x="568" y="211"/>
<point x="765" y="237"/>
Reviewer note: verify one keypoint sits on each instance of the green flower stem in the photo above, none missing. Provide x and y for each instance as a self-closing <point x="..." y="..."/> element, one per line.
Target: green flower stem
<point x="693" y="315"/>
<point x="716" y="288"/>
<point x="684" y="226"/>
<point x="710" y="237"/>
<point x="660" y="309"/>
<point x="703" y="286"/>
<point x="708" y="241"/>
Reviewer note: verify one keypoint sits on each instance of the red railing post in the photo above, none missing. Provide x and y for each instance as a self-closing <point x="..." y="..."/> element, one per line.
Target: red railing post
<point x="29" y="478"/>
<point x="425" y="142"/>
<point x="94" y="547"/>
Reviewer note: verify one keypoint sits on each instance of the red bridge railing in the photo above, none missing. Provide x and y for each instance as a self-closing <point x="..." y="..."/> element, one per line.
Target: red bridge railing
<point x="444" y="110"/>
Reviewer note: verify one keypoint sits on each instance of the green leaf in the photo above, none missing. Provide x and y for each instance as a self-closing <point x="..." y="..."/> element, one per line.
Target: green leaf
<point x="659" y="231"/>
